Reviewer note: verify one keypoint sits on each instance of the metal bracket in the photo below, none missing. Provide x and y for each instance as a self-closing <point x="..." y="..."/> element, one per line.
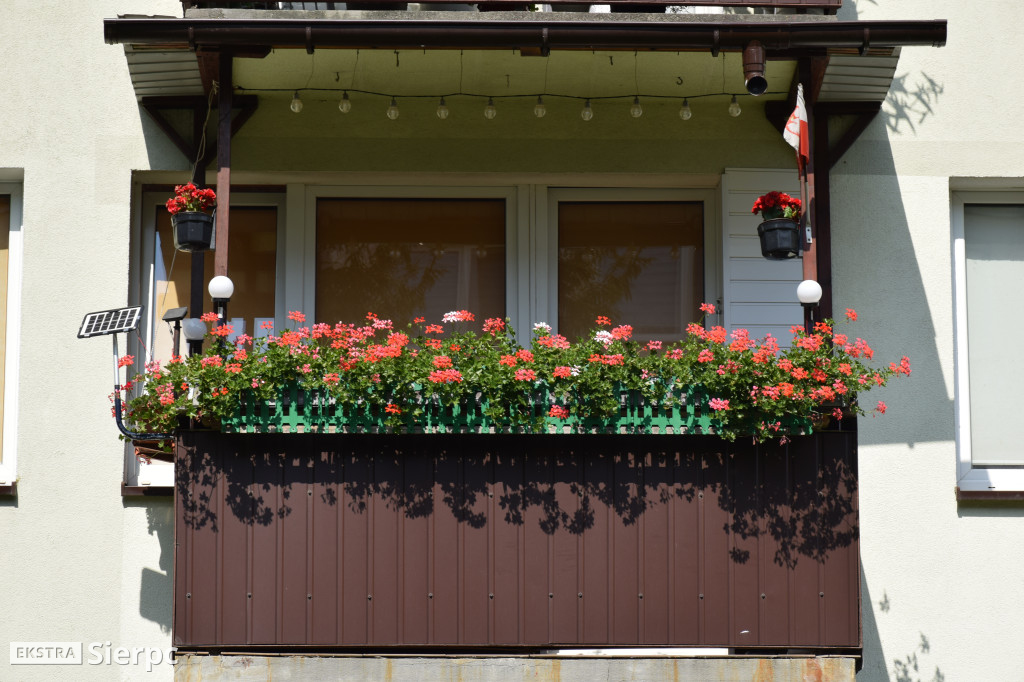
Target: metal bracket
<point x="807" y="233"/>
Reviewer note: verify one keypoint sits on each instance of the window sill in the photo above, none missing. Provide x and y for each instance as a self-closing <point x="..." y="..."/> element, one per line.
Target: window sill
<point x="147" y="490"/>
<point x="989" y="495"/>
<point x="9" y="490"/>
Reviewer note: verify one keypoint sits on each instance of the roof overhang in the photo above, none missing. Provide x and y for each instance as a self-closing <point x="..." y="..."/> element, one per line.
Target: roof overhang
<point x="783" y="36"/>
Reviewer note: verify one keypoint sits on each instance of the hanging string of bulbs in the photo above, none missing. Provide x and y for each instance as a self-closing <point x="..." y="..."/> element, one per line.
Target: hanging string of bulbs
<point x="490" y="110"/>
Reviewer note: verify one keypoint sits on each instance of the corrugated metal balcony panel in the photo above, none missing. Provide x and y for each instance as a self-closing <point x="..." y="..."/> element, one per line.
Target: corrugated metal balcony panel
<point x="324" y="541"/>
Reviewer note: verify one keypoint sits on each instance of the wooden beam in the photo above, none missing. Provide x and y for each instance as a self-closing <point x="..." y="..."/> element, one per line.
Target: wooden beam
<point x="225" y="87"/>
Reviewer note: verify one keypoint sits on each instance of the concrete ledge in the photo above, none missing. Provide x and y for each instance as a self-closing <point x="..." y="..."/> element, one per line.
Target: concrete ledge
<point x="195" y="668"/>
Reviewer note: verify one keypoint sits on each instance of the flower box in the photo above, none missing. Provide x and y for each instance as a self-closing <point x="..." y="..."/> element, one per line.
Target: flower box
<point x="311" y="411"/>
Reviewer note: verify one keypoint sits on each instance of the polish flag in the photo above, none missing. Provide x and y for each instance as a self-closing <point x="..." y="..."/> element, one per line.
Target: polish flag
<point x="796" y="133"/>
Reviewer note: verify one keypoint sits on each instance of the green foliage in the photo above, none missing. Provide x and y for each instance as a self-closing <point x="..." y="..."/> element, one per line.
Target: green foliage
<point x="752" y="387"/>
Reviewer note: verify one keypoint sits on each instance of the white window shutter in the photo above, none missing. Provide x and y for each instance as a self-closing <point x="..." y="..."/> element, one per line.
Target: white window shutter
<point x="758" y="294"/>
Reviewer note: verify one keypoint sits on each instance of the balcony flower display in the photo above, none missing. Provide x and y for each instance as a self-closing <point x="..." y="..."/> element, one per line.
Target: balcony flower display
<point x="189" y="209"/>
<point x="747" y="387"/>
<point x="777" y="205"/>
<point x="779" y="230"/>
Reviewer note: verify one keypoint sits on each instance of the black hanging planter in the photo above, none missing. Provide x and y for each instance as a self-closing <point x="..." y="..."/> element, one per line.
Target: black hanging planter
<point x="780" y="238"/>
<point x="193" y="231"/>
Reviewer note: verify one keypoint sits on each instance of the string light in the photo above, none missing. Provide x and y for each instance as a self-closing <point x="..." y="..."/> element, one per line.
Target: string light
<point x="684" y="111"/>
<point x="636" y="111"/>
<point x="490" y="110"/>
<point x="539" y="109"/>
<point x="587" y="112"/>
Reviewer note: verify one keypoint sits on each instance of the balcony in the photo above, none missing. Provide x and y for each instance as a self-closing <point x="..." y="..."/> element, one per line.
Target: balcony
<point x="335" y="542"/>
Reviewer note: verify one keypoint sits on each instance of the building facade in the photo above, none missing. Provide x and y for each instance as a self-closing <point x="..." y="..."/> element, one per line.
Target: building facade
<point x="923" y="192"/>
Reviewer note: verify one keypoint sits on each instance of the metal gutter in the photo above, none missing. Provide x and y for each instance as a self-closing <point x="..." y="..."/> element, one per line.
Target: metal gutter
<point x="780" y="38"/>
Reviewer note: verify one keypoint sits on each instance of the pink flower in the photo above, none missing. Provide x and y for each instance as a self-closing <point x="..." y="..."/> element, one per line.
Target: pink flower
<point x="881" y="407"/>
<point x="706" y="355"/>
<point x="562" y="372"/>
<point x="442" y="361"/>
<point x="493" y="325"/>
<point x="851" y="314"/>
<point x="654" y="345"/>
<point x="296" y="316"/>
<point x="707" y="308"/>
<point x="126" y="361"/>
<point x="445" y="376"/>
<point x="525" y="375"/>
<point x="392" y="409"/>
<point x="718" y="404"/>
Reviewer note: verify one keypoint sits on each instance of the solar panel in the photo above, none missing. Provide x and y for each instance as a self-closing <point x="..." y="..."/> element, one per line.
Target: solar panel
<point x="110" y="322"/>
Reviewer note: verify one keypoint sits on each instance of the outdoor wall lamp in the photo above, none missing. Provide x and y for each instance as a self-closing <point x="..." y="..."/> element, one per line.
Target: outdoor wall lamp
<point x="221" y="287"/>
<point x="753" y="68"/>
<point x="194" y="330"/>
<point x="809" y="293"/>
<point x="173" y="317"/>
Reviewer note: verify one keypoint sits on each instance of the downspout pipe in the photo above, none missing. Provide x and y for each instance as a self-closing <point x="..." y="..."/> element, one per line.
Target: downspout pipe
<point x="782" y="38"/>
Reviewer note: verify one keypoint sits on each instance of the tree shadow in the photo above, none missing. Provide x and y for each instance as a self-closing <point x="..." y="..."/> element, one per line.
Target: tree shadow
<point x="784" y="501"/>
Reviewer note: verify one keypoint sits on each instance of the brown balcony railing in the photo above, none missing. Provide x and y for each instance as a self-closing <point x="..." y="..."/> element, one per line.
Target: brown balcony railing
<point x="288" y="542"/>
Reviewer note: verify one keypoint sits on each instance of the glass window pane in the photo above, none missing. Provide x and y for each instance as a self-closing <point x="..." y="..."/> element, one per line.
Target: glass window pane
<point x="994" y="246"/>
<point x="406" y="258"/>
<point x="638" y="263"/>
<point x="252" y="266"/>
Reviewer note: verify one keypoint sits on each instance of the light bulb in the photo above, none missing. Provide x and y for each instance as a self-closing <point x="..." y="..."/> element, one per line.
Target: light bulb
<point x="539" y="109"/>
<point x="221" y="286"/>
<point x="490" y="111"/>
<point x="393" y="109"/>
<point x="296" y="104"/>
<point x="684" y="111"/>
<point x="734" y="107"/>
<point x="808" y="292"/>
<point x="636" y="111"/>
<point x="345" y="105"/>
<point x="442" y="110"/>
<point x="587" y="112"/>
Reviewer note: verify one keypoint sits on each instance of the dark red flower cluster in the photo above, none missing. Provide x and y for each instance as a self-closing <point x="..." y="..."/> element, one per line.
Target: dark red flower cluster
<point x="777" y="205"/>
<point x="191" y="198"/>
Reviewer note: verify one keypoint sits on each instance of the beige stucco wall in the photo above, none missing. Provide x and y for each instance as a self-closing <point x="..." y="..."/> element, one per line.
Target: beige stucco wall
<point x="81" y="564"/>
<point x="78" y="563"/>
<point x="941" y="595"/>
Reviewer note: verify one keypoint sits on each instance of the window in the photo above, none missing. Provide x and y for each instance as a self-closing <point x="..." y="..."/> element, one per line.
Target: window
<point x="10" y="296"/>
<point x="164" y="283"/>
<point x="988" y="262"/>
<point x="407" y="258"/>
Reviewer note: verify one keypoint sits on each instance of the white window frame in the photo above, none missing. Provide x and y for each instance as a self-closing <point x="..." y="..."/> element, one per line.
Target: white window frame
<point x="15" y="251"/>
<point x="531" y="238"/>
<point x="162" y="473"/>
<point x="970" y="476"/>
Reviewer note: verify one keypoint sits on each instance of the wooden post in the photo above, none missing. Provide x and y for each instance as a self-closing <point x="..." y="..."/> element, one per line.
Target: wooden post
<point x="224" y="105"/>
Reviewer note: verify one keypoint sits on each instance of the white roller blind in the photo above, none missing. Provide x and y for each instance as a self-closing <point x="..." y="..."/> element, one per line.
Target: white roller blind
<point x="994" y="248"/>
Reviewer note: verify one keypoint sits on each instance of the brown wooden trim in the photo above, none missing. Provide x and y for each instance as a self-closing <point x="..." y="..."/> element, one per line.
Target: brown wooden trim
<point x="9" y="490"/>
<point x="989" y="495"/>
<point x="147" y="490"/>
<point x="245" y="189"/>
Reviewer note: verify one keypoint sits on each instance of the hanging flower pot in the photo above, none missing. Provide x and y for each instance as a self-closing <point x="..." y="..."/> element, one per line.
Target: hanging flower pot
<point x="780" y="231"/>
<point x="780" y="238"/>
<point x="193" y="231"/>
<point x="193" y="226"/>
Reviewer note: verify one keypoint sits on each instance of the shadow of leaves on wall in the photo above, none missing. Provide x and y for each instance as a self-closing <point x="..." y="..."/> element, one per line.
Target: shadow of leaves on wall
<point x="783" y="501"/>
